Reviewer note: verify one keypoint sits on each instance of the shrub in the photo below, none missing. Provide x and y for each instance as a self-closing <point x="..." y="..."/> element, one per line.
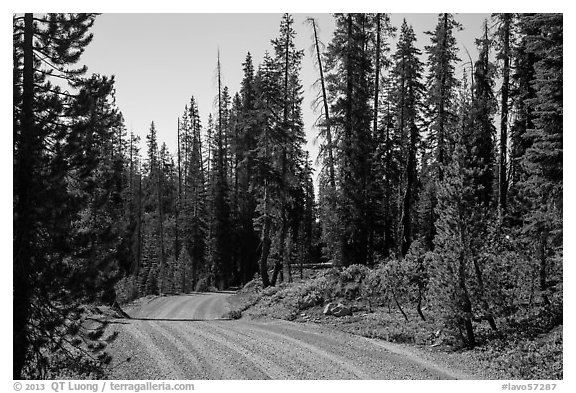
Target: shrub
<point x="310" y="299"/>
<point x="233" y="314"/>
<point x="355" y="273"/>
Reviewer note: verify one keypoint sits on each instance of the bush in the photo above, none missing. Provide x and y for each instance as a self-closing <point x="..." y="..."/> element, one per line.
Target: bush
<point x="326" y="284"/>
<point x="310" y="299"/>
<point x="373" y="289"/>
<point x="351" y="280"/>
<point x="233" y="314"/>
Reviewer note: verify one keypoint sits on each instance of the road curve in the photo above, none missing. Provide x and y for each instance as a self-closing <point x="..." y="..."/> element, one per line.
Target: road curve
<point x="184" y="337"/>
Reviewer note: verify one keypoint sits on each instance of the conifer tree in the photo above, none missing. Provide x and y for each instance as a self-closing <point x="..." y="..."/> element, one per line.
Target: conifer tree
<point x="523" y="92"/>
<point x="441" y="84"/>
<point x="288" y="60"/>
<point x="48" y="138"/>
<point x="350" y="87"/>
<point x="220" y="255"/>
<point x="194" y="205"/>
<point x="542" y="160"/>
<point x="480" y="139"/>
<point x="450" y="286"/>
<point x="267" y="174"/>
<point x="387" y="175"/>
<point x="245" y="151"/>
<point x="101" y="235"/>
<point x="384" y="176"/>
<point x="408" y="93"/>
<point x="134" y="203"/>
<point x="154" y="198"/>
<point x="480" y="168"/>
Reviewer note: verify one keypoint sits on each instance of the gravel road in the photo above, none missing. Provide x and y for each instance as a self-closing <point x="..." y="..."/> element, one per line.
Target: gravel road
<point x="184" y="337"/>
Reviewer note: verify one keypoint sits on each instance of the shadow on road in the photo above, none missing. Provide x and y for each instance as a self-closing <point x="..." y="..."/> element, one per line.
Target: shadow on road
<point x="226" y="292"/>
<point x="180" y="319"/>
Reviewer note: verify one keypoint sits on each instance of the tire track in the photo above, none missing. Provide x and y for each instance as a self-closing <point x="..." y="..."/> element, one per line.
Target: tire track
<point x="212" y="308"/>
<point x="333" y="358"/>
<point x="173" y="310"/>
<point x="343" y="344"/>
<point x="189" y="354"/>
<point x="164" y="363"/>
<point x="236" y="356"/>
<point x="294" y="360"/>
<point x="278" y="363"/>
<point x="397" y="351"/>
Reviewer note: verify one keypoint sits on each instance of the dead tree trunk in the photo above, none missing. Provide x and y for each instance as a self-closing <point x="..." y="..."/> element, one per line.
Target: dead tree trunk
<point x="326" y="112"/>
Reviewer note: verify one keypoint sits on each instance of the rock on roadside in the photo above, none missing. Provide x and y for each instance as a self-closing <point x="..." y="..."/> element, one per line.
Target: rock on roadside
<point x="338" y="310"/>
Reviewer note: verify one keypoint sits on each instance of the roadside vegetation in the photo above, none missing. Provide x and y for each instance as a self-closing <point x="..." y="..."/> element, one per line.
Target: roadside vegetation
<point x="527" y="345"/>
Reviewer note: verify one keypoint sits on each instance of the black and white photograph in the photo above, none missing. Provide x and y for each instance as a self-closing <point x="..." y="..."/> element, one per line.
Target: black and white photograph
<point x="287" y="196"/>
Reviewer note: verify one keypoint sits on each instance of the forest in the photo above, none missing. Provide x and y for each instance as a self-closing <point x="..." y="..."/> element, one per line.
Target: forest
<point x="449" y="184"/>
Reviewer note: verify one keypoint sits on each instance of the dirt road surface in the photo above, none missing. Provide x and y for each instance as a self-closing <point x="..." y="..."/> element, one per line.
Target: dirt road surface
<point x="185" y="337"/>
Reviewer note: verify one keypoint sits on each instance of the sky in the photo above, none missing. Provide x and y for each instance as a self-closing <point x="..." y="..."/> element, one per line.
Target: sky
<point x="161" y="60"/>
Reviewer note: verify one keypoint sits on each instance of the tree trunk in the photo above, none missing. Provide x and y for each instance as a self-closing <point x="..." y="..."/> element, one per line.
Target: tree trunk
<point x="411" y="173"/>
<point x="419" y="304"/>
<point x="503" y="179"/>
<point x="139" y="249"/>
<point x="368" y="216"/>
<point x="131" y="211"/>
<point x="398" y="304"/>
<point x="441" y="107"/>
<point x="471" y="341"/>
<point x="543" y="266"/>
<point x="376" y="75"/>
<point x="178" y="198"/>
<point x="265" y="239"/>
<point x="282" y="246"/>
<point x="277" y="272"/>
<point x="388" y="237"/>
<point x="161" y="230"/>
<point x="287" y="259"/>
<point x="466" y="304"/>
<point x="23" y="221"/>
<point x="264" y="256"/>
<point x="488" y="316"/>
<point x="346" y="252"/>
<point x="301" y="265"/>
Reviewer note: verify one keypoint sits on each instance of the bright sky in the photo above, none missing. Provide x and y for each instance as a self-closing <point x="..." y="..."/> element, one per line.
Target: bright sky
<point x="161" y="60"/>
